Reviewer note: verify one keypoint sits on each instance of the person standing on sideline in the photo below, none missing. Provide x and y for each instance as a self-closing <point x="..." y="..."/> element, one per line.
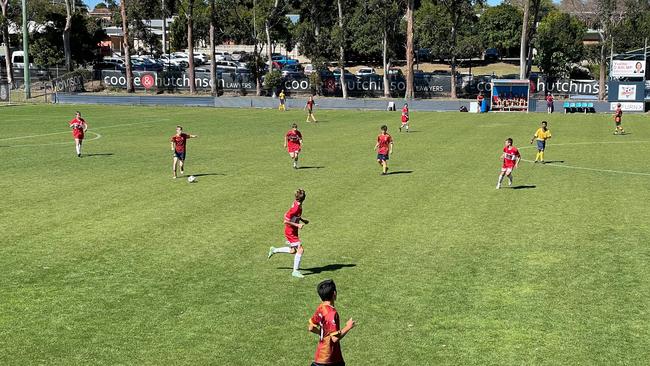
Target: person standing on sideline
<point x="79" y="128"/>
<point x="549" y="103"/>
<point x="479" y="100"/>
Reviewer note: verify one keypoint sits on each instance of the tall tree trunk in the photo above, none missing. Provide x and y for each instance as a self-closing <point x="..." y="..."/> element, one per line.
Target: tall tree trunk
<point x="603" y="65"/>
<point x="531" y="34"/>
<point x="4" y="4"/>
<point x="213" y="64"/>
<point x="267" y="28"/>
<point x="409" y="50"/>
<point x="190" y="44"/>
<point x="258" y="81"/>
<point x="384" y="44"/>
<point x="67" y="51"/>
<point x="344" y="87"/>
<point x="454" y="34"/>
<point x="523" y="48"/>
<point x="163" y="11"/>
<point x="130" y="88"/>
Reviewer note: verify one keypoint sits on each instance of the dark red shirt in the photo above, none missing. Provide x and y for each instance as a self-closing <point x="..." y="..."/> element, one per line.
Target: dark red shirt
<point x="180" y="141"/>
<point x="384" y="142"/>
<point x="293" y="215"/>
<point x="327" y="319"/>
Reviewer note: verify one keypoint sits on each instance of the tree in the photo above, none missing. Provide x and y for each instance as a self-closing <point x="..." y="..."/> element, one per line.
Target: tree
<point x="213" y="64"/>
<point x="130" y="87"/>
<point x="341" y="39"/>
<point x="410" y="8"/>
<point x="4" y="25"/>
<point x="559" y="43"/>
<point x="189" y="15"/>
<point x="70" y="9"/>
<point x="500" y="27"/>
<point x="375" y="27"/>
<point x="313" y="32"/>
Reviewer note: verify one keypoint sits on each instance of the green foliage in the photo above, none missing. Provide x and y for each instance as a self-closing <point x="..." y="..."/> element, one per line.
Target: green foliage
<point x="45" y="53"/>
<point x="500" y="27"/>
<point x="367" y="24"/>
<point x="559" y="44"/>
<point x="273" y="80"/>
<point x="314" y="30"/>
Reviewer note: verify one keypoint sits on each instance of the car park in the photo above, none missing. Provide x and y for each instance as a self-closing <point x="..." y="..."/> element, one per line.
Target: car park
<point x="365" y="71"/>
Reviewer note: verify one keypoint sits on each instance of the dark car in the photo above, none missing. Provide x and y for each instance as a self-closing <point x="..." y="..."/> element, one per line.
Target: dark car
<point x="491" y="55"/>
<point x="292" y="71"/>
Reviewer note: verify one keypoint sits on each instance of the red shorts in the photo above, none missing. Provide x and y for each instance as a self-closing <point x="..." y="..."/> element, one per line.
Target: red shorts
<point x="78" y="135"/>
<point x="291" y="148"/>
<point x="507" y="169"/>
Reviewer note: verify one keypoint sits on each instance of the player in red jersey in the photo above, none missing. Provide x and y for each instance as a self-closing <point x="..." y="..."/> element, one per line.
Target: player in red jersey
<point x="293" y="221"/>
<point x="384" y="148"/>
<point x="293" y="144"/>
<point x="479" y="101"/>
<point x="618" y="118"/>
<point x="511" y="159"/>
<point x="79" y="128"/>
<point x="326" y="324"/>
<point x="179" y="142"/>
<point x="310" y="109"/>
<point x="549" y="103"/>
<point x="405" y="118"/>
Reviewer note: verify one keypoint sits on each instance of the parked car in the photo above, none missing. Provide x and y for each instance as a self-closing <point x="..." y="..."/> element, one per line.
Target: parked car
<point x="282" y="61"/>
<point x="364" y="71"/>
<point x="424" y="55"/>
<point x="308" y="69"/>
<point x="348" y="74"/>
<point x="239" y="56"/>
<point x="292" y="71"/>
<point x="491" y="55"/>
<point x="169" y="60"/>
<point x="113" y="59"/>
<point x="396" y="71"/>
<point x="222" y="56"/>
<point x="108" y="65"/>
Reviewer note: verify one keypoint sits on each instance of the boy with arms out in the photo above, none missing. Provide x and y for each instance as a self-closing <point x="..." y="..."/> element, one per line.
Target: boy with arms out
<point x="511" y="159"/>
<point x="292" y="223"/>
<point x="384" y="148"/>
<point x="179" y="141"/>
<point x="79" y="128"/>
<point x="326" y="324"/>
<point x="541" y="135"/>
<point x="293" y="144"/>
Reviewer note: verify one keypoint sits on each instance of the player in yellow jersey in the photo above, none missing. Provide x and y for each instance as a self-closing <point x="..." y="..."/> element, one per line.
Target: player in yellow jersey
<point x="283" y="101"/>
<point x="541" y="135"/>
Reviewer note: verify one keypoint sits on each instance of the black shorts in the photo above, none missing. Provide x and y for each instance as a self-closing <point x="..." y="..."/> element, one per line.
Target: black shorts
<point x="382" y="157"/>
<point x="179" y="155"/>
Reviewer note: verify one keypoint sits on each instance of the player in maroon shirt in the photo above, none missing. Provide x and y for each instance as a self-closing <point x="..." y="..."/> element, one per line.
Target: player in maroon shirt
<point x="293" y="144"/>
<point x="292" y="223"/>
<point x="326" y="324"/>
<point x="618" y="119"/>
<point x="79" y="128"/>
<point x="510" y="159"/>
<point x="179" y="142"/>
<point x="549" y="103"/>
<point x="384" y="148"/>
<point x="310" y="109"/>
<point x="405" y="118"/>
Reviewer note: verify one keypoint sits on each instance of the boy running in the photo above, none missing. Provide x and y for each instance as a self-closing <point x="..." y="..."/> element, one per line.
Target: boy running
<point x="179" y="142"/>
<point x="326" y="324"/>
<point x="541" y="135"/>
<point x="293" y="144"/>
<point x="405" y="118"/>
<point x="618" y="117"/>
<point x="384" y="148"/>
<point x="283" y="100"/>
<point x="79" y="128"/>
<point x="511" y="159"/>
<point x="292" y="223"/>
<point x="310" y="109"/>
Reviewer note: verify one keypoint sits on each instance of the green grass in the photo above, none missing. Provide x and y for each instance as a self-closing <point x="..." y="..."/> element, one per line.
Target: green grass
<point x="107" y="260"/>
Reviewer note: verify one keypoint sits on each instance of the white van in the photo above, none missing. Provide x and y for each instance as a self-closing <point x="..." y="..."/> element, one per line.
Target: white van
<point x="18" y="60"/>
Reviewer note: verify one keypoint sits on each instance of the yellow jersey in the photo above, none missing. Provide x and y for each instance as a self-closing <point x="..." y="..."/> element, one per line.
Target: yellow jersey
<point x="542" y="135"/>
<point x="281" y="95"/>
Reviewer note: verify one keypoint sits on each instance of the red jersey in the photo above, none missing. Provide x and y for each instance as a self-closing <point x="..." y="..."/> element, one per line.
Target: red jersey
<point x="180" y="141"/>
<point x="549" y="98"/>
<point x="405" y="114"/>
<point x="618" y="114"/>
<point x="293" y="140"/>
<point x="510" y="156"/>
<point x="383" y="142"/>
<point x="327" y="319"/>
<point x="310" y="104"/>
<point x="293" y="215"/>
<point x="480" y="98"/>
<point x="78" y="125"/>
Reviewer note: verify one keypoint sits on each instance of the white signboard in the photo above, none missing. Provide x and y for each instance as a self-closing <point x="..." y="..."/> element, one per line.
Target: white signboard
<point x="628" y="106"/>
<point x="626" y="68"/>
<point x="626" y="92"/>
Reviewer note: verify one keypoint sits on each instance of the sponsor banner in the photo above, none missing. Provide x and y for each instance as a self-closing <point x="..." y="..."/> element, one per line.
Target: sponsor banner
<point x="564" y="87"/>
<point x="425" y="85"/>
<point x="628" y="106"/>
<point x="178" y="80"/>
<point x="627" y="68"/>
<point x="4" y="92"/>
<point x="71" y="83"/>
<point x="626" y="91"/>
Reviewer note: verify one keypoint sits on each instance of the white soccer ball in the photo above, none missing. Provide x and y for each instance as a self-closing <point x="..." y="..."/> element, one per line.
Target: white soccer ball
<point x="191" y="179"/>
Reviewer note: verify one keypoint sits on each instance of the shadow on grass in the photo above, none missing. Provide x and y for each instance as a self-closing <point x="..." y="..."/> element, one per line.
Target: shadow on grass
<point x="311" y="167"/>
<point x="98" y="154"/>
<point x="327" y="268"/>
<point x="206" y="174"/>
<point x="400" y="172"/>
<point x="524" y="187"/>
<point x="553" y="161"/>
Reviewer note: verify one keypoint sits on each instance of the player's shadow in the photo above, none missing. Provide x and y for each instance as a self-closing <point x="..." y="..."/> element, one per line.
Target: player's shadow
<point x="206" y="174"/>
<point x="553" y="161"/>
<point x="413" y="131"/>
<point x="98" y="154"/>
<point x="524" y="187"/>
<point x="400" y="172"/>
<point x="326" y="268"/>
<point x="311" y="167"/>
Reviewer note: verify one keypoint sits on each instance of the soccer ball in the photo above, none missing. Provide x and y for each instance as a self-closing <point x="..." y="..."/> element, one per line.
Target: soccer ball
<point x="191" y="179"/>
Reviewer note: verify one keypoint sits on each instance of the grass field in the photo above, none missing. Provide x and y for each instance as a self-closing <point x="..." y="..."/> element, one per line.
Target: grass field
<point x="107" y="260"/>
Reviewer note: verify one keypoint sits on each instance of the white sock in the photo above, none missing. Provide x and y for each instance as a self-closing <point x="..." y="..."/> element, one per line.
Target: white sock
<point x="296" y="261"/>
<point x="78" y="147"/>
<point x="282" y="250"/>
<point x="500" y="180"/>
